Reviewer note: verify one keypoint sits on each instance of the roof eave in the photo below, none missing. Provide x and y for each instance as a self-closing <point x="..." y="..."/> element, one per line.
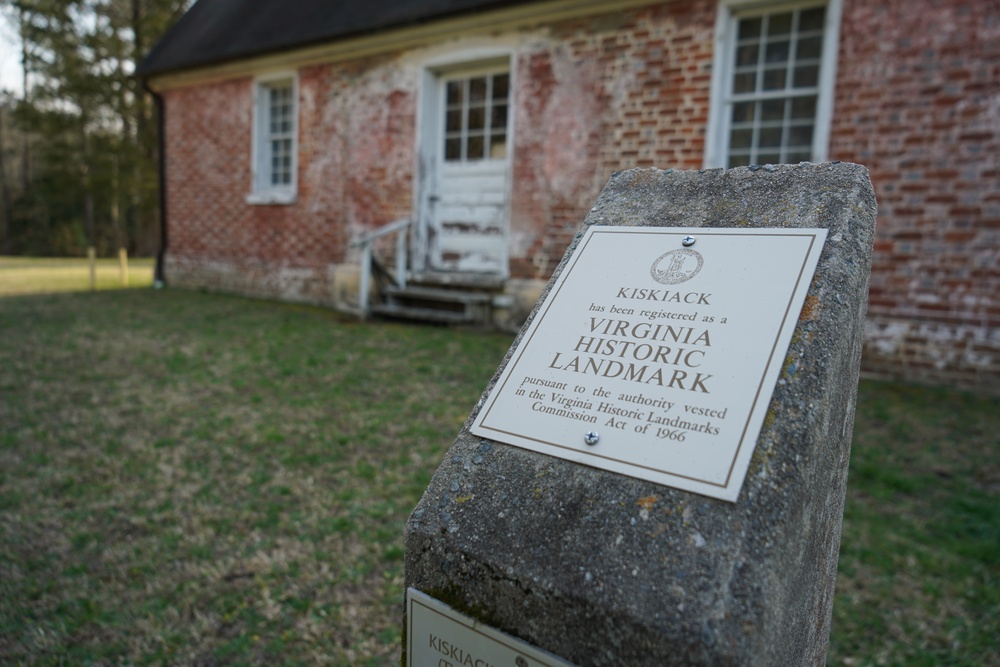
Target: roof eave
<point x="381" y="41"/>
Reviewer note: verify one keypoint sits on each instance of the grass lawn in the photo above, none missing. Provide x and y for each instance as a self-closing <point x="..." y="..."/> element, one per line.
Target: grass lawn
<point x="191" y="479"/>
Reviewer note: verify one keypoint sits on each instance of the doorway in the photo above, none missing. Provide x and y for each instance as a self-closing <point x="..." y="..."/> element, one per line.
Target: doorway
<point x="462" y="228"/>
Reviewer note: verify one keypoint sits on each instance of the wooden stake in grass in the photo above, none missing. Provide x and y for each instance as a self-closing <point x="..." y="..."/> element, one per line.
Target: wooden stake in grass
<point x="92" y="261"/>
<point x="123" y="266"/>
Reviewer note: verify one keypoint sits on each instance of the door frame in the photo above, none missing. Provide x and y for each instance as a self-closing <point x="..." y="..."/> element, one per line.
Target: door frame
<point x="430" y="140"/>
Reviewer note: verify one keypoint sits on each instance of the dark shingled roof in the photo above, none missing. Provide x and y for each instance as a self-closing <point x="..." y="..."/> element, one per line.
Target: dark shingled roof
<point x="214" y="31"/>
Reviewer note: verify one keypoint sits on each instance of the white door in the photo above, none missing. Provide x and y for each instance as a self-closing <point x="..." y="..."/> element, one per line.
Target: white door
<point x="465" y="214"/>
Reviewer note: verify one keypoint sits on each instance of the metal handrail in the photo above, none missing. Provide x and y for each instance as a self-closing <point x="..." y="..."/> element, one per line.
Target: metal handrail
<point x="366" y="242"/>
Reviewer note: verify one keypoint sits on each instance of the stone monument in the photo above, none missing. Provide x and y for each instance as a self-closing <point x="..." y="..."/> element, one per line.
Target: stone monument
<point x="656" y="473"/>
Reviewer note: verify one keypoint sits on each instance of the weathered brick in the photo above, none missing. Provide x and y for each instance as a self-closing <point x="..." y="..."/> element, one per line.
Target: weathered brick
<point x="928" y="111"/>
<point x="914" y="100"/>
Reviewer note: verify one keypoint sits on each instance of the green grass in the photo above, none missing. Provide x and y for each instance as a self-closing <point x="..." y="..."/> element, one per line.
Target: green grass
<point x="191" y="479"/>
<point x="23" y="275"/>
<point x="195" y="479"/>
<point x="919" y="578"/>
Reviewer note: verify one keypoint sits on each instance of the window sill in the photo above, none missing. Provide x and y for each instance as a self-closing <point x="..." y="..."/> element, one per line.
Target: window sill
<point x="272" y="198"/>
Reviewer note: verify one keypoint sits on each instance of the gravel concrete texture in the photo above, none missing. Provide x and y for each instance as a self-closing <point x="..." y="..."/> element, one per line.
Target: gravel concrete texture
<point x="603" y="569"/>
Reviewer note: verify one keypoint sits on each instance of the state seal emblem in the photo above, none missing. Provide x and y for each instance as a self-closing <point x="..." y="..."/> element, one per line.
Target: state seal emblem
<point x="676" y="266"/>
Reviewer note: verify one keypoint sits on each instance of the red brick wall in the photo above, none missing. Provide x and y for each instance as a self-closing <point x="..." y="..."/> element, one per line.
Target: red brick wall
<point x="597" y="96"/>
<point x="593" y="96"/>
<point x="355" y="165"/>
<point x="918" y="102"/>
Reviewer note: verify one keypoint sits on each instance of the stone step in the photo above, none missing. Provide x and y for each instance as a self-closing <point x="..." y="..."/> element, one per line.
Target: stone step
<point x="398" y="311"/>
<point x="435" y="304"/>
<point x="423" y="293"/>
<point x="458" y="279"/>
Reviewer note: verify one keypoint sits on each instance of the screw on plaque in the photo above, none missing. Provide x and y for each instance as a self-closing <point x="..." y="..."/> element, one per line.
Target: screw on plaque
<point x="591" y="437"/>
<point x="687" y="241"/>
<point x="520" y="661"/>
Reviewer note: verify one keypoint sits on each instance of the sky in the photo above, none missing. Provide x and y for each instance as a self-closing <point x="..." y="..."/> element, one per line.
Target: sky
<point x="10" y="56"/>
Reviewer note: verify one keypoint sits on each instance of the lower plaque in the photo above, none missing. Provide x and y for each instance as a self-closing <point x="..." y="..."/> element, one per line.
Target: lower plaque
<point x="439" y="636"/>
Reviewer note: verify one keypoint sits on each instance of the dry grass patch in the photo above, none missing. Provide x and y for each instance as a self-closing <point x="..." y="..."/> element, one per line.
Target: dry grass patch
<point x="31" y="275"/>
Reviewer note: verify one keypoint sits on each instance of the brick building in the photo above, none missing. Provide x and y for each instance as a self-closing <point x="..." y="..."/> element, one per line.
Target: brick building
<point x="294" y="130"/>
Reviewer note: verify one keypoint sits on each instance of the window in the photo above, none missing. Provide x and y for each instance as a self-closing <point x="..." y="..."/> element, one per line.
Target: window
<point x="476" y="117"/>
<point x="773" y="85"/>
<point x="274" y="149"/>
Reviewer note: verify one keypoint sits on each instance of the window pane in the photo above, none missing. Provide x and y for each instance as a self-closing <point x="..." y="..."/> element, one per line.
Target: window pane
<point x="769" y="158"/>
<point x="749" y="28"/>
<point x="774" y="79"/>
<point x="770" y="137"/>
<point x="477" y="118"/>
<point x="810" y="47"/>
<point x="453" y="149"/>
<point x="806" y="76"/>
<point x="800" y="135"/>
<point x="475" y="148"/>
<point x="280" y="170"/>
<point x="803" y="107"/>
<point x="499" y="117"/>
<point x="799" y="156"/>
<point x="777" y="52"/>
<point x="747" y="55"/>
<point x="453" y="121"/>
<point x="454" y="92"/>
<point x="779" y="24"/>
<point x="743" y="112"/>
<point x="741" y="139"/>
<point x="745" y="83"/>
<point x="812" y="19"/>
<point x="738" y="160"/>
<point x="772" y="110"/>
<point x="498" y="146"/>
<point x="477" y="89"/>
<point x="501" y="83"/>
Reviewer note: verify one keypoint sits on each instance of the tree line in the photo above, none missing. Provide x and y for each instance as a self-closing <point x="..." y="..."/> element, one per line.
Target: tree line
<point x="79" y="163"/>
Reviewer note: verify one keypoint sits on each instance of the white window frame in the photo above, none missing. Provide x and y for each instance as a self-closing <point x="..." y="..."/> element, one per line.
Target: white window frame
<point x="429" y="110"/>
<point x="728" y="14"/>
<point x="464" y="134"/>
<point x="262" y="190"/>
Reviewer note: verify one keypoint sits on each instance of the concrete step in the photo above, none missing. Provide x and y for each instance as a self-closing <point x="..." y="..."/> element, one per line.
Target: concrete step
<point x="424" y="293"/>
<point x="435" y="304"/>
<point x="459" y="279"/>
<point x="398" y="311"/>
